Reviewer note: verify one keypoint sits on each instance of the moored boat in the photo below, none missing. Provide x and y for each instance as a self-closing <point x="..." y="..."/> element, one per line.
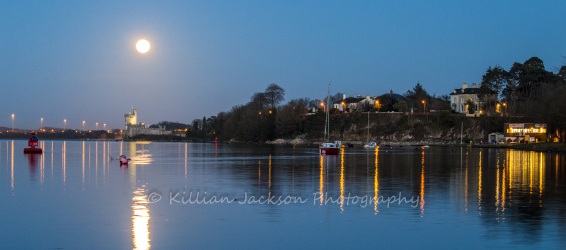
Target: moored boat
<point x="330" y="148"/>
<point x="370" y="145"/>
<point x="123" y="159"/>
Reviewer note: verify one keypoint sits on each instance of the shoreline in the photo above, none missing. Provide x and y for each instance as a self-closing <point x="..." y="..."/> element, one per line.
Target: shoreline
<point x="547" y="147"/>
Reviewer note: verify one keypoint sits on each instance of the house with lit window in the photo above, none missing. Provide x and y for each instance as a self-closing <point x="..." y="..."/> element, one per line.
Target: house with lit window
<point x="352" y="103"/>
<point x="460" y="97"/>
<point x="459" y="100"/>
<point x="524" y="132"/>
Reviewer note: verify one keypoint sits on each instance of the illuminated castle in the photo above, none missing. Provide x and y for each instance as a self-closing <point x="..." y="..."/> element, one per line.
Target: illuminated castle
<point x="134" y="128"/>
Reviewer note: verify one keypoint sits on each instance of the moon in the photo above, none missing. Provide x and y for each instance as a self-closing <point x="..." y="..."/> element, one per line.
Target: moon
<point x="142" y="46"/>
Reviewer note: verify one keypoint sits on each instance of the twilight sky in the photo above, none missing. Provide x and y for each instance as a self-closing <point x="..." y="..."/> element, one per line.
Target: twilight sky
<point x="76" y="60"/>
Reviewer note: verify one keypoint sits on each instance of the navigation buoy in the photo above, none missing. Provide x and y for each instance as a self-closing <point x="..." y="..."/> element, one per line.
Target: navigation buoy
<point x="33" y="142"/>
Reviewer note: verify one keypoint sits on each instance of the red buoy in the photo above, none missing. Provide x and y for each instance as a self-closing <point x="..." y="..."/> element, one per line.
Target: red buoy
<point x="33" y="142"/>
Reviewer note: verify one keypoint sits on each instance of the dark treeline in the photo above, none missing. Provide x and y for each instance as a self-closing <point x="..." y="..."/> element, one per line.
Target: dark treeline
<point x="263" y="119"/>
<point x="527" y="92"/>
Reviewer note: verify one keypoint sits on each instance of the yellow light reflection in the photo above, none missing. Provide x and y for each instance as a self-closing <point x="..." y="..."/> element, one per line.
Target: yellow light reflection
<point x="342" y="179"/>
<point x="83" y="162"/>
<point x="479" y="185"/>
<point x="259" y="173"/>
<point x="12" y="164"/>
<point x="422" y="187"/>
<point x="42" y="165"/>
<point x="185" y="160"/>
<point x="96" y="161"/>
<point x="64" y="157"/>
<point x="376" y="183"/>
<point x="51" y="160"/>
<point x="140" y="220"/>
<point x="103" y="161"/>
<point x="321" y="179"/>
<point x="526" y="174"/>
<point x="269" y="172"/>
<point x="497" y="184"/>
<point x="541" y="176"/>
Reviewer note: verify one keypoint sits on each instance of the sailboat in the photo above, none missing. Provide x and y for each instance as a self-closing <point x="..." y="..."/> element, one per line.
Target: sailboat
<point x="370" y="144"/>
<point x="329" y="148"/>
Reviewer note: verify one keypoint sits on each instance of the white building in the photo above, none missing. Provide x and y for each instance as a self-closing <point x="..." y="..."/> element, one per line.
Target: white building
<point x="460" y="97"/>
<point x="354" y="103"/>
<point x="133" y="128"/>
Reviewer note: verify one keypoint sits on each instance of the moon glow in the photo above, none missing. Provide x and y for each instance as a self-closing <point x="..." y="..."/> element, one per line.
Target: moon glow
<point x="142" y="46"/>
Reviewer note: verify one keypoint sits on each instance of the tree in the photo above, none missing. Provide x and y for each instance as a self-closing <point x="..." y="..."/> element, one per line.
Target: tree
<point x="274" y="94"/>
<point x="401" y="106"/>
<point x="365" y="106"/>
<point x="471" y="106"/>
<point x="259" y="100"/>
<point x="493" y="81"/>
<point x="385" y="103"/>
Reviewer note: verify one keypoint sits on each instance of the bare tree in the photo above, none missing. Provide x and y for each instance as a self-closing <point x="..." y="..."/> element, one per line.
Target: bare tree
<point x="259" y="100"/>
<point x="274" y="94"/>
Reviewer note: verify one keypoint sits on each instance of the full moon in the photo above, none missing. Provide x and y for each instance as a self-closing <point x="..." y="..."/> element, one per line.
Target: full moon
<point x="142" y="46"/>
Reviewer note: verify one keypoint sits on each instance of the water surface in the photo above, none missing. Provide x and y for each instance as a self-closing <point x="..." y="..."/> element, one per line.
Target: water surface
<point x="205" y="196"/>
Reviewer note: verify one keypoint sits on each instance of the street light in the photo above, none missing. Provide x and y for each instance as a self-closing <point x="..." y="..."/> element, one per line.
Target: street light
<point x="12" y="122"/>
<point x="424" y="103"/>
<point x="97" y="126"/>
<point x="65" y="124"/>
<point x="83" y="125"/>
<point x="104" y="126"/>
<point x="343" y="107"/>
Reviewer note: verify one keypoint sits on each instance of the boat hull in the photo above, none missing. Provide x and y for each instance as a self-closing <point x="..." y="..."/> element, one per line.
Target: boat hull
<point x="329" y="151"/>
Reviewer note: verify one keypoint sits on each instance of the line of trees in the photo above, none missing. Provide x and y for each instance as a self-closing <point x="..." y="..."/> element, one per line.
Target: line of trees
<point x="263" y="119"/>
<point x="529" y="92"/>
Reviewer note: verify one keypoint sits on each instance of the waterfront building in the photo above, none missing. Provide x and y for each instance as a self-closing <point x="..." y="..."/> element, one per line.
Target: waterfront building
<point x="134" y="128"/>
<point x="524" y="132"/>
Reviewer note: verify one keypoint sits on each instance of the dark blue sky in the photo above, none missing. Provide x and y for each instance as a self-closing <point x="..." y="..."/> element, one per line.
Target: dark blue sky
<point x="77" y="59"/>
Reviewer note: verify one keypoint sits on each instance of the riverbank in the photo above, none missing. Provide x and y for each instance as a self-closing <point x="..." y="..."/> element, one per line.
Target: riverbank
<point x="554" y="147"/>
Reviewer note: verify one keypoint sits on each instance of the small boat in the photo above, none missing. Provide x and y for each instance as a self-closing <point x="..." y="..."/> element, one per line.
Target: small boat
<point x="330" y="148"/>
<point x="33" y="142"/>
<point x="370" y="145"/>
<point x="123" y="159"/>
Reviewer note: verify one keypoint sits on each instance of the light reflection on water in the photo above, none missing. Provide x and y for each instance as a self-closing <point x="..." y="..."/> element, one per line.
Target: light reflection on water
<point x="474" y="193"/>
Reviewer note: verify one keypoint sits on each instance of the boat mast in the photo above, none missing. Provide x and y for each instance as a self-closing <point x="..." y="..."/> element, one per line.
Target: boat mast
<point x="327" y="126"/>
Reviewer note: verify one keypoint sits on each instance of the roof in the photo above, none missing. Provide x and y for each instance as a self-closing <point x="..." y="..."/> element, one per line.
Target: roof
<point x="352" y="100"/>
<point x="397" y="96"/>
<point x="465" y="91"/>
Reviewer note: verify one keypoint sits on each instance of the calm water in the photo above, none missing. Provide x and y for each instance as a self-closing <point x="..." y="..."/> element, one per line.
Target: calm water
<point x="76" y="196"/>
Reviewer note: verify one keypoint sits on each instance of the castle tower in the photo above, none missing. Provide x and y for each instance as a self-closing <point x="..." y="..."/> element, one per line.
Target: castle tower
<point x="131" y="118"/>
